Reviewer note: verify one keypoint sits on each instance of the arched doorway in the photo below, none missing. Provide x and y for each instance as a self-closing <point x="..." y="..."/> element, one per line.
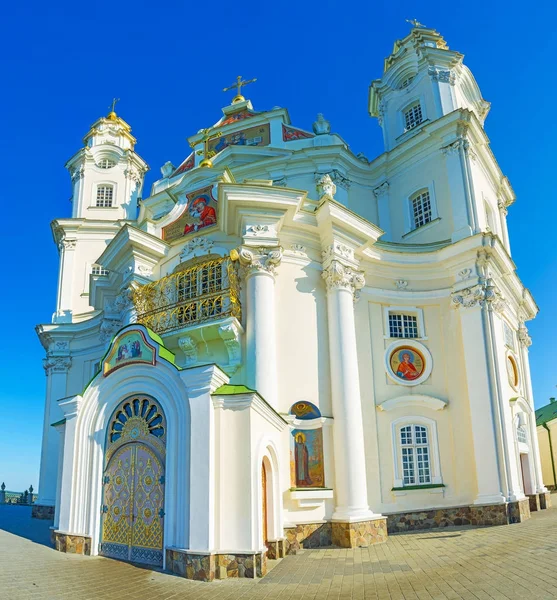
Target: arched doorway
<point x="133" y="482"/>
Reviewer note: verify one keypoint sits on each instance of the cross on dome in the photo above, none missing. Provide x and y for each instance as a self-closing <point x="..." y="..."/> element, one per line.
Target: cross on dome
<point x="238" y="85"/>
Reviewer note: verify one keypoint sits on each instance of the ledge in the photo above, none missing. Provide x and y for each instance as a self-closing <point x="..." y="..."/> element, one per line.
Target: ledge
<point x="429" y="486"/>
<point x="310" y="497"/>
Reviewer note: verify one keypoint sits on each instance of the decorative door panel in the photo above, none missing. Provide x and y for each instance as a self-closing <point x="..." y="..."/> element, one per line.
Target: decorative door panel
<point x="148" y="512"/>
<point x="117" y="508"/>
<point x="133" y="501"/>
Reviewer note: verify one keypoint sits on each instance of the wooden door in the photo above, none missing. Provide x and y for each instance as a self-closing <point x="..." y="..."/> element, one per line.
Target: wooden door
<point x="264" y="502"/>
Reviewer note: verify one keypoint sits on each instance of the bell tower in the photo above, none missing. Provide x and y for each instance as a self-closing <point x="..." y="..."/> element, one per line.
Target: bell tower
<point x="423" y="80"/>
<point x="107" y="174"/>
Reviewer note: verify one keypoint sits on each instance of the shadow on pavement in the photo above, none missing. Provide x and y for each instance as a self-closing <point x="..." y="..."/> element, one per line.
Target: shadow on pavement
<point x="17" y="520"/>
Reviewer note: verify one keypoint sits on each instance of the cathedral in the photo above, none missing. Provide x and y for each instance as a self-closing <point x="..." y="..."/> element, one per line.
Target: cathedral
<point x="284" y="345"/>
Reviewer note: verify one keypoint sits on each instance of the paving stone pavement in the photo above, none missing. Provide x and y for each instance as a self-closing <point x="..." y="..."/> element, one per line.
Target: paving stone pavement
<point x="507" y="562"/>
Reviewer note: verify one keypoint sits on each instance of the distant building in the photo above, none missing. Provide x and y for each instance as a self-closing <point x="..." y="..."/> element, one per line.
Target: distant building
<point x="546" y="421"/>
<point x="290" y="345"/>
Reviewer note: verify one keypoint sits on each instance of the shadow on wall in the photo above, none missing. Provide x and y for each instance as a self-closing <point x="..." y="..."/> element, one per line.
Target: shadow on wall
<point x="17" y="519"/>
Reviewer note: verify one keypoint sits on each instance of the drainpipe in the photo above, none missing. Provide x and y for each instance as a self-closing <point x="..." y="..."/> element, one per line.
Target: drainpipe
<point x="544" y="425"/>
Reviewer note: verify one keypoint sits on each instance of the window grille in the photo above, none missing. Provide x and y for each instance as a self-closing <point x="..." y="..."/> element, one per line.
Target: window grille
<point x="509" y="335"/>
<point x="415" y="455"/>
<point x="106" y="163"/>
<point x="521" y="434"/>
<point x="421" y="209"/>
<point x="207" y="280"/>
<point x="413" y="117"/>
<point x="98" y="270"/>
<point x="105" y="195"/>
<point x="403" y="326"/>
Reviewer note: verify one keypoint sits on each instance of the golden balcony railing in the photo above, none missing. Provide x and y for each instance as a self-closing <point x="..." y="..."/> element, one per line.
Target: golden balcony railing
<point x="198" y="293"/>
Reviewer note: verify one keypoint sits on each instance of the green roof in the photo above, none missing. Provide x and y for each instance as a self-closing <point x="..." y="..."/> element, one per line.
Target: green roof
<point x="546" y="413"/>
<point x="230" y="390"/>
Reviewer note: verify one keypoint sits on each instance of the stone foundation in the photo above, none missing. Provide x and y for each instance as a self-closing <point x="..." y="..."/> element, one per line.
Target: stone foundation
<point x="359" y="534"/>
<point x="479" y="516"/>
<point x="276" y="549"/>
<point x="534" y="500"/>
<point x="307" y="535"/>
<point x="72" y="544"/>
<point x="208" y="567"/>
<point x="41" y="511"/>
<point x="545" y="500"/>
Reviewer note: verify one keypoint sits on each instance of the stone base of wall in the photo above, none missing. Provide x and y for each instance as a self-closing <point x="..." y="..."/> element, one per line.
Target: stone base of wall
<point x="41" y="511"/>
<point x="359" y="534"/>
<point x="208" y="567"/>
<point x="307" y="535"/>
<point x="479" y="516"/>
<point x="276" y="549"/>
<point x="72" y="544"/>
<point x="545" y="500"/>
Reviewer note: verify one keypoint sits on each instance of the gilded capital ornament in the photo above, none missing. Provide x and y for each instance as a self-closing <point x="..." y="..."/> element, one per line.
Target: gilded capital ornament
<point x="340" y="277"/>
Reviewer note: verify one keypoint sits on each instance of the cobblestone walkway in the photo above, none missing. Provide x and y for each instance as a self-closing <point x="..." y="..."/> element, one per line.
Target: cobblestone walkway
<point x="516" y="561"/>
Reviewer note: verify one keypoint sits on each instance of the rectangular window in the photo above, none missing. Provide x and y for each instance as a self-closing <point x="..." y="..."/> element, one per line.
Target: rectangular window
<point x="98" y="270"/>
<point x="421" y="209"/>
<point x="105" y="194"/>
<point x="198" y="292"/>
<point x="413" y="117"/>
<point x="416" y="464"/>
<point x="403" y="326"/>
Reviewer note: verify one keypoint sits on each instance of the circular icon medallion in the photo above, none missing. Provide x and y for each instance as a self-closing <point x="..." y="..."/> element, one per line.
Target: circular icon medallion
<point x="407" y="363"/>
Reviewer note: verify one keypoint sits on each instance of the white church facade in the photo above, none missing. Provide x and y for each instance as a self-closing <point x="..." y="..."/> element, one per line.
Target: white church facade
<point x="289" y="345"/>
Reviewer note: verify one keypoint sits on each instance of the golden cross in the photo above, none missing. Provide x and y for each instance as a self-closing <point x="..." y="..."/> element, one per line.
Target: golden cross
<point x="113" y="105"/>
<point x="238" y="85"/>
<point x="415" y="23"/>
<point x="207" y="155"/>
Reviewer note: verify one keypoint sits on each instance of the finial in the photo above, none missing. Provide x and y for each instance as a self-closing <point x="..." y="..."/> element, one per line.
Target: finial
<point x="415" y="23"/>
<point x="112" y="114"/>
<point x="321" y="126"/>
<point x="238" y="85"/>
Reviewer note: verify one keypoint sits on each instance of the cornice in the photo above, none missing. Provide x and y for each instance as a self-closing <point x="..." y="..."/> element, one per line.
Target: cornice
<point x="250" y="400"/>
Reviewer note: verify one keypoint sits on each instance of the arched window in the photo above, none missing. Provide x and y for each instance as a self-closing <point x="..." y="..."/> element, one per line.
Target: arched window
<point x="105" y="195"/>
<point x="137" y="418"/>
<point x="421" y="208"/>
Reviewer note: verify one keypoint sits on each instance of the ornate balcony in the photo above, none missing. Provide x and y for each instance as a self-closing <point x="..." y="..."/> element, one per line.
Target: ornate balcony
<point x="198" y="293"/>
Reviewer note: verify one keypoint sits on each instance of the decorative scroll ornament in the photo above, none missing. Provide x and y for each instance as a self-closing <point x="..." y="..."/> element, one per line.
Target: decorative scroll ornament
<point x="441" y="75"/>
<point x="196" y="247"/>
<point x="340" y="277"/>
<point x="464" y="274"/>
<point x="122" y="301"/>
<point x="77" y="173"/>
<point x="230" y="335"/>
<point x="523" y="336"/>
<point x="337" y="250"/>
<point x="57" y="364"/>
<point x="189" y="348"/>
<point x="298" y="249"/>
<point x="381" y="190"/>
<point x="401" y="284"/>
<point x="65" y="244"/>
<point x="455" y="147"/>
<point x="108" y="328"/>
<point x="326" y="188"/>
<point x="485" y="294"/>
<point x="260" y="259"/>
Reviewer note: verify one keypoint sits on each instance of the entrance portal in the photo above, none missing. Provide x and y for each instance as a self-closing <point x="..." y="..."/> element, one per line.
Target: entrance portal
<point x="133" y="504"/>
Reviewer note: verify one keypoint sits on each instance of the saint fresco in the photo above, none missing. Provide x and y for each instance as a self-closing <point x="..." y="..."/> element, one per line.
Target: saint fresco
<point x="200" y="213"/>
<point x="407" y="363"/>
<point x="307" y="458"/>
<point x="129" y="348"/>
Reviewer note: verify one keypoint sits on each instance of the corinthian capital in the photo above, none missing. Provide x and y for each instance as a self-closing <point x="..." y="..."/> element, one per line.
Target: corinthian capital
<point x="258" y="260"/>
<point x="340" y="277"/>
<point x="57" y="364"/>
<point x="485" y="294"/>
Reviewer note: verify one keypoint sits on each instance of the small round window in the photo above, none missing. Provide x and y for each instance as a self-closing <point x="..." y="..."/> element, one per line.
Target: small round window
<point x="106" y="163"/>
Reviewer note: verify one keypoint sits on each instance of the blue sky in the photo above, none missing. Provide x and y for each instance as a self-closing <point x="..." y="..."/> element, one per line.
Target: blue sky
<point x="61" y="63"/>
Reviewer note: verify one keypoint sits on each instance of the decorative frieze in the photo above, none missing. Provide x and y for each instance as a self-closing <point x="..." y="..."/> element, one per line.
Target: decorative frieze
<point x="484" y="294"/>
<point x="197" y="246"/>
<point x="189" y="347"/>
<point x="340" y="277"/>
<point x="57" y="364"/>
<point x="261" y="259"/>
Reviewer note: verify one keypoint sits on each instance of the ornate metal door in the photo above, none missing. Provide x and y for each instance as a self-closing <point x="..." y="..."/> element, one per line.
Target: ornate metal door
<point x="133" y="508"/>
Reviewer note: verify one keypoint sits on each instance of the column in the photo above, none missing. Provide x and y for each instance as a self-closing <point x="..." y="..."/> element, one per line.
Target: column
<point x="460" y="186"/>
<point x="502" y="206"/>
<point x="350" y="470"/>
<point x="65" y="281"/>
<point x="259" y="269"/>
<point x="525" y="342"/>
<point x="479" y="377"/>
<point x="70" y="408"/>
<point x="56" y="369"/>
<point x="384" y="210"/>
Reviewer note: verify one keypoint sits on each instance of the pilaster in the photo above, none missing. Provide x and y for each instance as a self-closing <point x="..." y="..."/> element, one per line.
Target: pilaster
<point x="384" y="210"/>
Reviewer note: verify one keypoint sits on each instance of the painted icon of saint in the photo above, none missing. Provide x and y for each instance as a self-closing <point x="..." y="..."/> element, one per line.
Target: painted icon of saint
<point x="201" y="210"/>
<point x="410" y="364"/>
<point x="301" y="456"/>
